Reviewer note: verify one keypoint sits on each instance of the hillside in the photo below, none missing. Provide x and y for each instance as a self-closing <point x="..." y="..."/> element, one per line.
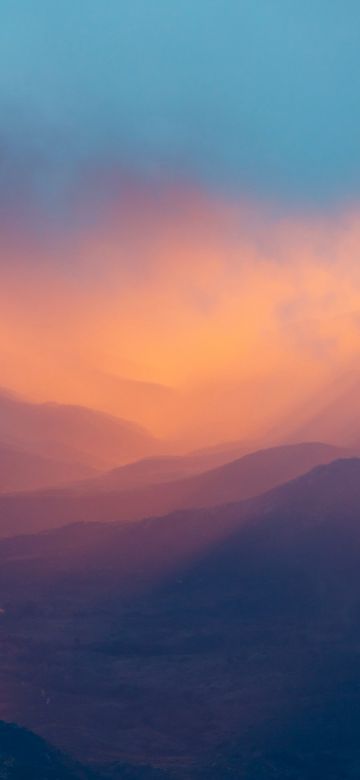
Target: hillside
<point x="25" y="756"/>
<point x="71" y="433"/>
<point x="171" y="468"/>
<point x="89" y="502"/>
<point x="22" y="470"/>
<point x="215" y="642"/>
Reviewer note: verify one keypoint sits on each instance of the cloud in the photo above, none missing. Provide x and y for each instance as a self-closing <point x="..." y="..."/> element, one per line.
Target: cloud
<point x="242" y="313"/>
<point x="251" y="97"/>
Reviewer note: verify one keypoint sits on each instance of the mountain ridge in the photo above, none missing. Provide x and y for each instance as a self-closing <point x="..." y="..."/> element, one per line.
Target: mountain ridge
<point x="71" y="432"/>
<point x="51" y="508"/>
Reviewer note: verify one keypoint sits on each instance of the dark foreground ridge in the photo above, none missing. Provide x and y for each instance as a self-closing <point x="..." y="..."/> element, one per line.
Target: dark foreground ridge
<point x="101" y="500"/>
<point x="25" y="756"/>
<point x="211" y="645"/>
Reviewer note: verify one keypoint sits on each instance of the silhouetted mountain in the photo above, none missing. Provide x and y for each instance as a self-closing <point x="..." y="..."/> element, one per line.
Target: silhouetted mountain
<point x="24" y="756"/>
<point x="241" y="479"/>
<point x="21" y="470"/>
<point x="155" y="546"/>
<point x="71" y="433"/>
<point x="217" y="643"/>
<point x="171" y="468"/>
<point x="253" y="474"/>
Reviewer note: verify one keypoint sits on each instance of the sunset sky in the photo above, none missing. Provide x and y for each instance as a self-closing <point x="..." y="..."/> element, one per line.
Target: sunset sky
<point x="179" y="208"/>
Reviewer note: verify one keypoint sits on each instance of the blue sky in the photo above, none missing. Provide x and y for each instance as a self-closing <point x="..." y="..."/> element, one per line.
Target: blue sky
<point x="254" y="96"/>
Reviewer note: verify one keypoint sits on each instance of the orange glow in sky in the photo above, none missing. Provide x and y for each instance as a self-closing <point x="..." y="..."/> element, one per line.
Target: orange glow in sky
<point x="200" y="320"/>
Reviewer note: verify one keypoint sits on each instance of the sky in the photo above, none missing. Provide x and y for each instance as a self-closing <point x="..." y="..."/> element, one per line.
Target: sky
<point x="179" y="188"/>
<point x="244" y="95"/>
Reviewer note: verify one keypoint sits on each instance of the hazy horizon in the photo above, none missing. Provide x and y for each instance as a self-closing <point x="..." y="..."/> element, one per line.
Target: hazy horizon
<point x="179" y="390"/>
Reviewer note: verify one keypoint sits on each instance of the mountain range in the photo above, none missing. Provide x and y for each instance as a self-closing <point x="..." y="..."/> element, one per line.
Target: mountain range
<point x="70" y="434"/>
<point x="212" y="643"/>
<point x="90" y="501"/>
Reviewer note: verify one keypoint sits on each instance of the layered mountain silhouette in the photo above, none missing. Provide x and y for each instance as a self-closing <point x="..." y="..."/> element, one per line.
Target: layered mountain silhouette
<point x="150" y="471"/>
<point x="215" y="643"/>
<point x="71" y="433"/>
<point x="155" y="546"/>
<point x="22" y="470"/>
<point x="211" y="643"/>
<point x="246" y="477"/>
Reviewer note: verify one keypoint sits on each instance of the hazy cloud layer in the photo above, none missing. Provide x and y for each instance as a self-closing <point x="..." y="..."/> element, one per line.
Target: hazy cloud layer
<point x="243" y="315"/>
<point x="252" y="96"/>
